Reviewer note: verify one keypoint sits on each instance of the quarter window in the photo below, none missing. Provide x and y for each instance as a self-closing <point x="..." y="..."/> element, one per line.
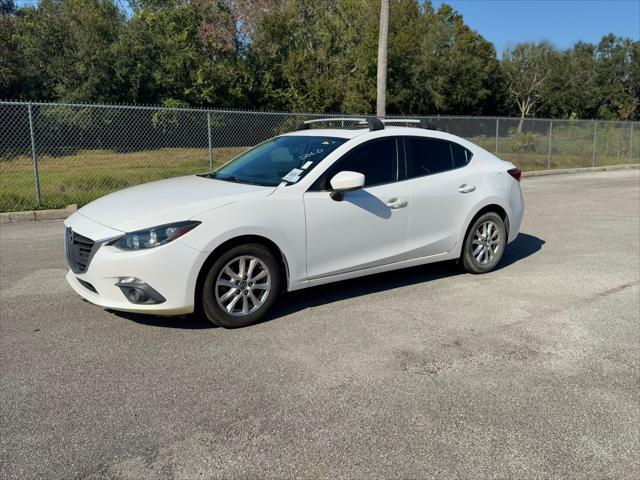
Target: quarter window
<point x="427" y="156"/>
<point x="376" y="160"/>
<point x="461" y="156"/>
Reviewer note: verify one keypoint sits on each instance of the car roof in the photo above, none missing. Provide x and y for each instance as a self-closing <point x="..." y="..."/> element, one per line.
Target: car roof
<point x="350" y="133"/>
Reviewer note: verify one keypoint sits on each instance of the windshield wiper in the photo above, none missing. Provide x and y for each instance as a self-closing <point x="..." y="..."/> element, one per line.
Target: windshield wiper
<point x="215" y="176"/>
<point x="229" y="179"/>
<point x="234" y="179"/>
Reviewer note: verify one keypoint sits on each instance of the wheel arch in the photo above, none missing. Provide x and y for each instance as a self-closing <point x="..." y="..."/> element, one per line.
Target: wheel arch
<point x="233" y="242"/>
<point x="490" y="207"/>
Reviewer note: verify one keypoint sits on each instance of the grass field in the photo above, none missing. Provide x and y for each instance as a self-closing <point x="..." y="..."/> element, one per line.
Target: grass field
<point x="86" y="175"/>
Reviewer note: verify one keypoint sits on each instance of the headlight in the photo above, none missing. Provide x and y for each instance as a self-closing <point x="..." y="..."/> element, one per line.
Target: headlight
<point x="153" y="237"/>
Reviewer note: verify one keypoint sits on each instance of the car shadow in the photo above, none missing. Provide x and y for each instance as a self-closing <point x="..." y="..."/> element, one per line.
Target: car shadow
<point x="368" y="202"/>
<point x="522" y="247"/>
<point x="187" y="322"/>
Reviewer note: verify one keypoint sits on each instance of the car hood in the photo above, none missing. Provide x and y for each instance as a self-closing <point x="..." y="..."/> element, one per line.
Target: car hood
<point x="166" y="201"/>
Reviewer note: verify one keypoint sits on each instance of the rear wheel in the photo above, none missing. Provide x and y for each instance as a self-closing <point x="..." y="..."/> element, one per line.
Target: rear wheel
<point x="485" y="243"/>
<point x="241" y="286"/>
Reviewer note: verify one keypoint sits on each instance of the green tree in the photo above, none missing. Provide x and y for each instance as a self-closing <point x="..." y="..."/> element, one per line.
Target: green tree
<point x="191" y="51"/>
<point x="327" y="60"/>
<point x="8" y="58"/>
<point x="456" y="70"/>
<point x="64" y="50"/>
<point x="310" y="55"/>
<point x="618" y="77"/>
<point x="577" y="96"/>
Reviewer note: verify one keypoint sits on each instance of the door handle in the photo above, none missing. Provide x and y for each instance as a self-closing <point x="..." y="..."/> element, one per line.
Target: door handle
<point x="394" y="203"/>
<point x="464" y="188"/>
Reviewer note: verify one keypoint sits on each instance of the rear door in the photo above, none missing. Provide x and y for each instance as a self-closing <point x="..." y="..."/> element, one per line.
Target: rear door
<point x="442" y="191"/>
<point x="368" y="227"/>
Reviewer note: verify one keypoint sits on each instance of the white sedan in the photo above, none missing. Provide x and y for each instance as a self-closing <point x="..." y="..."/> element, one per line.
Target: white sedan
<point x="313" y="206"/>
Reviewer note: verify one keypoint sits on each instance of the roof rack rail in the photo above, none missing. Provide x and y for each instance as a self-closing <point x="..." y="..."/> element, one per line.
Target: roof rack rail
<point x="425" y="123"/>
<point x="373" y="122"/>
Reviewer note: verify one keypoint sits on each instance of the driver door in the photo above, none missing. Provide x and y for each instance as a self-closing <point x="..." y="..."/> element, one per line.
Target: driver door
<point x="368" y="227"/>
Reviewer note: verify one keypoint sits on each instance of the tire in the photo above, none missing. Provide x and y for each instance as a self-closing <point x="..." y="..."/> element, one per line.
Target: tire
<point x="231" y="299"/>
<point x="485" y="243"/>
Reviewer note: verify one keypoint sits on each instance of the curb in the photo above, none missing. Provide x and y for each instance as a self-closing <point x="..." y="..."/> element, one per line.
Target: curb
<point x="559" y="171"/>
<point x="37" y="215"/>
<point x="62" y="213"/>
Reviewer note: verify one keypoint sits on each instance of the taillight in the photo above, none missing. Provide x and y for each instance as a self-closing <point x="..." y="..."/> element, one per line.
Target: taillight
<point x="515" y="173"/>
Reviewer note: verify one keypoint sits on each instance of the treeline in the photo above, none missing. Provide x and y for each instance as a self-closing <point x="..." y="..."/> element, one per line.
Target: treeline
<point x="301" y="55"/>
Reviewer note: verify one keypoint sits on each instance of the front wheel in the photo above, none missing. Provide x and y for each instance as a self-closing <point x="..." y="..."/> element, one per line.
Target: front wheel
<point x="485" y="243"/>
<point x="241" y="286"/>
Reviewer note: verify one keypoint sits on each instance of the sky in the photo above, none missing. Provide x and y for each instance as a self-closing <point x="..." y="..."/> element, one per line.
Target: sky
<point x="561" y="22"/>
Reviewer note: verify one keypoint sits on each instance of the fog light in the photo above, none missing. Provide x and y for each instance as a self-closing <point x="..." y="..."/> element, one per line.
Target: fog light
<point x="139" y="292"/>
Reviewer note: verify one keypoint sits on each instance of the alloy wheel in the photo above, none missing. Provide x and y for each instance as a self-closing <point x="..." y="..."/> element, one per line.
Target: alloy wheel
<point x="243" y="285"/>
<point x="486" y="242"/>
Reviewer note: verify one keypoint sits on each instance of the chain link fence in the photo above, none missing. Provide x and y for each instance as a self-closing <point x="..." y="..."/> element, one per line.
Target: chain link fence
<point x="53" y="154"/>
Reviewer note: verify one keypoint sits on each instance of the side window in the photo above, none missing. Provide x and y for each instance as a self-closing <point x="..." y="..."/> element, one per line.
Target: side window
<point x="376" y="160"/>
<point x="426" y="156"/>
<point x="461" y="156"/>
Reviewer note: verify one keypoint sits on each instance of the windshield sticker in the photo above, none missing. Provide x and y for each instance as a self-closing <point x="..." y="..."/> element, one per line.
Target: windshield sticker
<point x="306" y="165"/>
<point x="311" y="153"/>
<point x="326" y="142"/>
<point x="293" y="176"/>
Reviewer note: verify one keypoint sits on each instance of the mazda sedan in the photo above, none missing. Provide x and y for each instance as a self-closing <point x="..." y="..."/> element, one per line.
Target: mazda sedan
<point x="310" y="207"/>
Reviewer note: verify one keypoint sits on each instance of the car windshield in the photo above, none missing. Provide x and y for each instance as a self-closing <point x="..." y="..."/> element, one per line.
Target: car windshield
<point x="287" y="158"/>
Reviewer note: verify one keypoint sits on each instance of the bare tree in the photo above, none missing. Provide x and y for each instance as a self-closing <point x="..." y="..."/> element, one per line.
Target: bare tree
<point x="383" y="38"/>
<point x="527" y="69"/>
<point x="527" y="98"/>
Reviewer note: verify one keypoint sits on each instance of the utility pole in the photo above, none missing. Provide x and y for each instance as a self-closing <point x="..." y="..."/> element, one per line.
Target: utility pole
<point x="383" y="39"/>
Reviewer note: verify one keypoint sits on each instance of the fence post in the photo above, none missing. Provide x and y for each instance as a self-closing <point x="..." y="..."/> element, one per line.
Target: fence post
<point x="497" y="129"/>
<point x="209" y="137"/>
<point x="631" y="144"/>
<point x="549" y="154"/>
<point x="36" y="174"/>
<point x="595" y="133"/>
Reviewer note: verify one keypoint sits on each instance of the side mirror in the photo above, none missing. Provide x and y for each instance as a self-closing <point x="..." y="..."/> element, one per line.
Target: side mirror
<point x="345" y="182"/>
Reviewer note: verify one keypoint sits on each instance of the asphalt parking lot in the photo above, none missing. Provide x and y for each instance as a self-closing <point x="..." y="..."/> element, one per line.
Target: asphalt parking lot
<point x="531" y="371"/>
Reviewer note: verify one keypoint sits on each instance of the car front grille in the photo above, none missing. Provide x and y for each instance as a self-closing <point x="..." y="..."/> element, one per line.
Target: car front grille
<point x="79" y="250"/>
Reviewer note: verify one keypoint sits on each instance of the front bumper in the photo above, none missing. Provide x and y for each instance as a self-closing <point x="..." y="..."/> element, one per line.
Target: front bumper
<point x="170" y="269"/>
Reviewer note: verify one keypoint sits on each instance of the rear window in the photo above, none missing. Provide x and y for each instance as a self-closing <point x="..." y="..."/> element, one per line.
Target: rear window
<point x="428" y="156"/>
